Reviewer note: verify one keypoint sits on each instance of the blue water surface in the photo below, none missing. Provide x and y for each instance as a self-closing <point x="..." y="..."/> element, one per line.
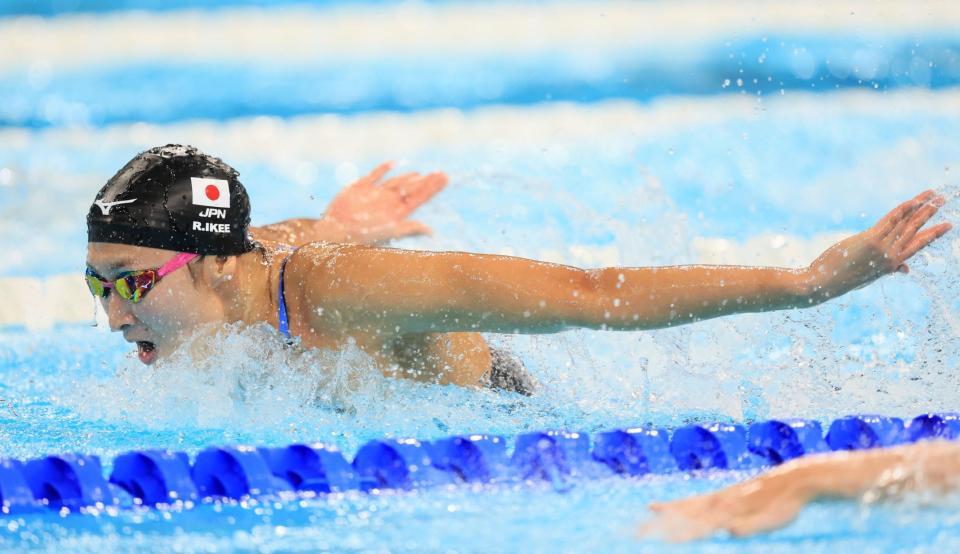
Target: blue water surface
<point x="60" y="7"/>
<point x="168" y="91"/>
<point x="793" y="140"/>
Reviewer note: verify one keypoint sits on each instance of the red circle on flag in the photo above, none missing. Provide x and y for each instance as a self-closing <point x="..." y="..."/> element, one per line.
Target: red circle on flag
<point x="212" y="192"/>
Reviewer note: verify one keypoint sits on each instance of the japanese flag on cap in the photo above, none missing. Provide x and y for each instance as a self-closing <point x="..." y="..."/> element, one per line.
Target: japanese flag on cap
<point x="210" y="192"/>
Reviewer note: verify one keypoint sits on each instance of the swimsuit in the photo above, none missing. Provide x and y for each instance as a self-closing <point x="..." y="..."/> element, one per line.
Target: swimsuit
<point x="508" y="373"/>
<point x="284" y="324"/>
<point x="506" y="370"/>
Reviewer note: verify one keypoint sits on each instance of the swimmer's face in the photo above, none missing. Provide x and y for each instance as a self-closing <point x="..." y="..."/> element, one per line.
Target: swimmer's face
<point x="172" y="310"/>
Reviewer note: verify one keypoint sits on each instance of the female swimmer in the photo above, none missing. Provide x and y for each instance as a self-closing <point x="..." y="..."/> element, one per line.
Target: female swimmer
<point x="418" y="314"/>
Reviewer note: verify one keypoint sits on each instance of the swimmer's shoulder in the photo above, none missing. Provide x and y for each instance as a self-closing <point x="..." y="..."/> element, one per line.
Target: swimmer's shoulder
<point x="344" y="263"/>
<point x="320" y="254"/>
<point x="324" y="265"/>
<point x="327" y="275"/>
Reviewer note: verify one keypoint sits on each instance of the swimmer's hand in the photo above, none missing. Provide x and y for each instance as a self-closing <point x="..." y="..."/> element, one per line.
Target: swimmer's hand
<point x="761" y="504"/>
<point x="878" y="251"/>
<point x="371" y="211"/>
<point x="774" y="499"/>
<point x="366" y="212"/>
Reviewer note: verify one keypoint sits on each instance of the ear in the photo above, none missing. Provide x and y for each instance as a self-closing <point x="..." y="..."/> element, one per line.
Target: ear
<point x="223" y="268"/>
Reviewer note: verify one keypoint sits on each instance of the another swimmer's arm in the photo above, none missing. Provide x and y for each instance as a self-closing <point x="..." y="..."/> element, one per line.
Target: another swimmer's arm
<point x="774" y="499"/>
<point x="365" y="212"/>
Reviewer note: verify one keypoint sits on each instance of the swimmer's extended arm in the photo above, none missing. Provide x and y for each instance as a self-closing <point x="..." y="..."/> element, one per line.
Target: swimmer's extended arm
<point x="402" y="291"/>
<point x="774" y="499"/>
<point x="365" y="212"/>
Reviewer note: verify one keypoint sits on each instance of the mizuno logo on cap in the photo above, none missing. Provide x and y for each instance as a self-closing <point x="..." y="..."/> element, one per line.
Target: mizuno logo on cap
<point x="105" y="206"/>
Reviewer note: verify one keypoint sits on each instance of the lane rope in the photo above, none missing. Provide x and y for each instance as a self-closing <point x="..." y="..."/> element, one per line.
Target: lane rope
<point x="76" y="482"/>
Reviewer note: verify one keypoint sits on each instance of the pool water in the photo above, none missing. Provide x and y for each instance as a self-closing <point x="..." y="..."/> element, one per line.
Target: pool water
<point x="592" y="153"/>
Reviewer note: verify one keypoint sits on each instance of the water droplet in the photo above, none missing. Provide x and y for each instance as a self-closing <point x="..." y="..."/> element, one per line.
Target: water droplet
<point x="6" y="177"/>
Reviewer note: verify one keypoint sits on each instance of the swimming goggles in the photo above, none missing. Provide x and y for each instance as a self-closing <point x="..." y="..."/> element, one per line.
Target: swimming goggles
<point x="132" y="286"/>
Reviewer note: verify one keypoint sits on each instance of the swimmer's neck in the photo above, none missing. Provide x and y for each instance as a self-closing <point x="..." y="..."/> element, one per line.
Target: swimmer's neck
<point x="249" y="296"/>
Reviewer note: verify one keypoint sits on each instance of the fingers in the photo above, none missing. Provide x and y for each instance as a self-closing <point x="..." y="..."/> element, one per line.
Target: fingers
<point x="414" y="180"/>
<point x="414" y="189"/>
<point x="401" y="180"/>
<point x="402" y="186"/>
<point x="409" y="228"/>
<point x="675" y="528"/>
<point x="923" y="239"/>
<point x="426" y="189"/>
<point x="888" y="222"/>
<point x="904" y="232"/>
<point x="370" y="179"/>
<point x="681" y="505"/>
<point x="659" y="527"/>
<point x="657" y="507"/>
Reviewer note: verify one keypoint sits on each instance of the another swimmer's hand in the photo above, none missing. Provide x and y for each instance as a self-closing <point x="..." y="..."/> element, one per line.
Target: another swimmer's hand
<point x="370" y="211"/>
<point x="774" y="499"/>
<point x="878" y="251"/>
<point x="761" y="504"/>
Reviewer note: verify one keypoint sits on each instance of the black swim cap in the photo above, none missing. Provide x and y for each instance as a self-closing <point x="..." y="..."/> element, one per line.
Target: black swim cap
<point x="176" y="198"/>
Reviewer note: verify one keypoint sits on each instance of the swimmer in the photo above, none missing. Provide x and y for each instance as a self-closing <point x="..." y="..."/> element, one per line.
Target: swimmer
<point x="774" y="499"/>
<point x="176" y="220"/>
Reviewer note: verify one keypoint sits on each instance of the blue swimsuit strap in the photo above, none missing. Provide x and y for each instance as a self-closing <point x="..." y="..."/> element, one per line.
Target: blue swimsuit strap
<point x="282" y="302"/>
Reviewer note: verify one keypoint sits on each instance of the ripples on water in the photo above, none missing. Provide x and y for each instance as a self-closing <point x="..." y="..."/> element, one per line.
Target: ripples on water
<point x="643" y="195"/>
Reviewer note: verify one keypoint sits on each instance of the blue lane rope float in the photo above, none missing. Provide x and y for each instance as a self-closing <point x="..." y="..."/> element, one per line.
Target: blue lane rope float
<point x="68" y="481"/>
<point x="154" y="476"/>
<point x="635" y="452"/>
<point x="778" y="441"/>
<point x="15" y="493"/>
<point x="555" y="456"/>
<point x="317" y="468"/>
<point x="473" y="458"/>
<point x="865" y="431"/>
<point x="399" y="464"/>
<point x="159" y="477"/>
<point x="934" y="426"/>
<point x="717" y="446"/>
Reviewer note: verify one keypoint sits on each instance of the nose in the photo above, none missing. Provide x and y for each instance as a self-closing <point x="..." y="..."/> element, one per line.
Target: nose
<point x="118" y="312"/>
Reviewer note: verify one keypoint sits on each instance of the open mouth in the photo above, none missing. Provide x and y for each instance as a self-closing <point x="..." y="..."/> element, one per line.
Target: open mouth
<point x="146" y="351"/>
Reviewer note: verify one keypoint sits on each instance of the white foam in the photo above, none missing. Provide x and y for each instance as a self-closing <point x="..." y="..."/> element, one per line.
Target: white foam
<point x="297" y="34"/>
<point x="219" y="378"/>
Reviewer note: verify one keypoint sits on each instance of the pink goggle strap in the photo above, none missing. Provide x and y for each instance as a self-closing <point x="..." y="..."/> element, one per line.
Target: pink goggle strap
<point x="176" y="263"/>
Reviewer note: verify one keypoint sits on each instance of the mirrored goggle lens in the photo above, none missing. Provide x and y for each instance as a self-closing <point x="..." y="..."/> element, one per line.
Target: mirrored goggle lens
<point x="96" y="286"/>
<point x="132" y="287"/>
